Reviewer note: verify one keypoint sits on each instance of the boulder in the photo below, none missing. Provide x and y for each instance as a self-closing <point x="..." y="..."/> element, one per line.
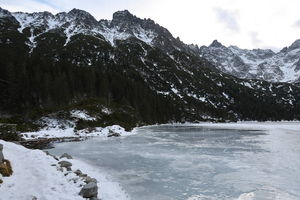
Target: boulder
<point x="5" y="168"/>
<point x="65" y="164"/>
<point x="65" y="155"/>
<point x="78" y="172"/>
<point x="90" y="190"/>
<point x="88" y="179"/>
<point x="82" y="175"/>
<point x="1" y="153"/>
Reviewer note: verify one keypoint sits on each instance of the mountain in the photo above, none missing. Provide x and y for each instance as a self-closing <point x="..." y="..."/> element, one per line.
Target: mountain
<point x="53" y="62"/>
<point x="262" y="64"/>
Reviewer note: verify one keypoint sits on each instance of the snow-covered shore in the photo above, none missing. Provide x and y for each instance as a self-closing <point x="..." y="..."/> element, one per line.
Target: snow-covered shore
<point x="54" y="127"/>
<point x="36" y="175"/>
<point x="56" y="132"/>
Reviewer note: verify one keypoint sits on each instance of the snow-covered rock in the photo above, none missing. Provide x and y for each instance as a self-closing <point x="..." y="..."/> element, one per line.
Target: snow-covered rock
<point x="90" y="190"/>
<point x="65" y="155"/>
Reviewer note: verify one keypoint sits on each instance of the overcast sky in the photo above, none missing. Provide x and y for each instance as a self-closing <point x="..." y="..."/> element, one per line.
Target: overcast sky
<point x="245" y="23"/>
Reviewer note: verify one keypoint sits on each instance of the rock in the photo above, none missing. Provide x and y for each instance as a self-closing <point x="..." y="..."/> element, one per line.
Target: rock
<point x="113" y="134"/>
<point x="90" y="190"/>
<point x="88" y="179"/>
<point x="78" y="172"/>
<point x="1" y="154"/>
<point x="65" y="164"/>
<point x="5" y="168"/>
<point x="82" y="175"/>
<point x="65" y="155"/>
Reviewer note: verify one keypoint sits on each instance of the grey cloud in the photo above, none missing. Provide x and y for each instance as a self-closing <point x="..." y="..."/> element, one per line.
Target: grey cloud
<point x="228" y="18"/>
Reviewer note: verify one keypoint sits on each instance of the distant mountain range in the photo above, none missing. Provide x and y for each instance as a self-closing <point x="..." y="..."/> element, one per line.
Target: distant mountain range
<point x="50" y="61"/>
<point x="263" y="64"/>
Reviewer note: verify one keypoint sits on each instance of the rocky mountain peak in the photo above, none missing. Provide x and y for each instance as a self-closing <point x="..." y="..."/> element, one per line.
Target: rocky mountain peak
<point x="216" y="44"/>
<point x="4" y="12"/>
<point x="261" y="64"/>
<point x="284" y="50"/>
<point x="295" y="45"/>
<point x="82" y="15"/>
<point x="124" y="15"/>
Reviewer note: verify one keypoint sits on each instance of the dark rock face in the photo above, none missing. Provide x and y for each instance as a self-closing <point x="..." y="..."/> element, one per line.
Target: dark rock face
<point x="1" y="153"/>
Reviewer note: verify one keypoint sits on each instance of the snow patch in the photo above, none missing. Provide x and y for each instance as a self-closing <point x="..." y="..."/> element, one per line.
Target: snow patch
<point x="57" y="131"/>
<point x="79" y="114"/>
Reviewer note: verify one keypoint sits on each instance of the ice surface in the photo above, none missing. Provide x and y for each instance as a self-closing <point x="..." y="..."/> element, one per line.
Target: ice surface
<point x="243" y="161"/>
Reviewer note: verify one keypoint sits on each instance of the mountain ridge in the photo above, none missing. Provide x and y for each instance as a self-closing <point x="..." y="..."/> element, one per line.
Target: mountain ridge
<point x="263" y="64"/>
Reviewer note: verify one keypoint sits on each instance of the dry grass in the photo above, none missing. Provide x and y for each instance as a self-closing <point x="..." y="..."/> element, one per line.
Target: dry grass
<point x="5" y="168"/>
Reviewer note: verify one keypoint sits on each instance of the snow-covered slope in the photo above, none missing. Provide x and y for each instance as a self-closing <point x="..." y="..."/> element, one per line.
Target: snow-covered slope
<point x="257" y="63"/>
<point x="264" y="64"/>
<point x="36" y="175"/>
<point x="123" y="26"/>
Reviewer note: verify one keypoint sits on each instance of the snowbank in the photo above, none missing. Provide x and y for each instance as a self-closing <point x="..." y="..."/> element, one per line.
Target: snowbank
<point x="37" y="175"/>
<point x="58" y="132"/>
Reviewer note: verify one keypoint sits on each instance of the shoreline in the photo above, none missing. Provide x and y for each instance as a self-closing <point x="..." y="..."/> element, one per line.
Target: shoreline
<point x="49" y="179"/>
<point x="46" y="142"/>
<point x="249" y="125"/>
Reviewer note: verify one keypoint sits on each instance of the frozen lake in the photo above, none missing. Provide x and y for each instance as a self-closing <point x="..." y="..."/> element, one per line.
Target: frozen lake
<point x="193" y="163"/>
